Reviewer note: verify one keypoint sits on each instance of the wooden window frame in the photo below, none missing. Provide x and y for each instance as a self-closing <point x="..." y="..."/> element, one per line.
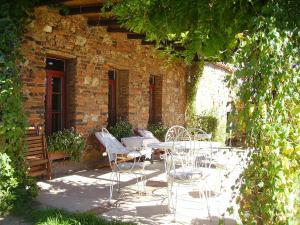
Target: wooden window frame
<point x="49" y="94"/>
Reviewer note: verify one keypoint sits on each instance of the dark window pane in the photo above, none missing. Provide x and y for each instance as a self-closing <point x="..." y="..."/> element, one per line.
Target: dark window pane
<point x="56" y="84"/>
<point x="55" y="64"/>
<point x="56" y="103"/>
<point x="56" y="122"/>
<point x="111" y="75"/>
<point x="152" y="80"/>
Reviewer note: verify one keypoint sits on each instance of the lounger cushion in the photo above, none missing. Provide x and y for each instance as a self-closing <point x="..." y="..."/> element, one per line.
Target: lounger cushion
<point x="145" y="133"/>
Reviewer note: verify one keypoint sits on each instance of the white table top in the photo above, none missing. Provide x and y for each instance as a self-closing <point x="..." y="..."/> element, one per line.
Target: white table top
<point x="195" y="144"/>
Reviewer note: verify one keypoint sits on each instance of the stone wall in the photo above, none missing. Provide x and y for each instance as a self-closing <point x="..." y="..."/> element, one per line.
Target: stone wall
<point x="213" y="96"/>
<point x="90" y="52"/>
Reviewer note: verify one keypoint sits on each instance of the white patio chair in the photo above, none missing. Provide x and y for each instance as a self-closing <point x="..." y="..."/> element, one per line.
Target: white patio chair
<point x="185" y="166"/>
<point x="114" y="150"/>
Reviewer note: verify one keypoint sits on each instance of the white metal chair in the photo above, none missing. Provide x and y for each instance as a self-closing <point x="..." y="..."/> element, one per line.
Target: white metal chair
<point x="114" y="150"/>
<point x="185" y="165"/>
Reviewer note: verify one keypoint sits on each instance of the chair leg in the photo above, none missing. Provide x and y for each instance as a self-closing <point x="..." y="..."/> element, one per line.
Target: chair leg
<point x="119" y="180"/>
<point x="207" y="197"/>
<point x="111" y="187"/>
<point x="170" y="196"/>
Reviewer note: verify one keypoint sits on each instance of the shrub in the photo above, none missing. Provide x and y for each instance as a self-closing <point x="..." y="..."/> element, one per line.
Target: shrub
<point x="209" y="124"/>
<point x="67" y="141"/>
<point x="7" y="183"/>
<point x="159" y="130"/>
<point x="122" y="129"/>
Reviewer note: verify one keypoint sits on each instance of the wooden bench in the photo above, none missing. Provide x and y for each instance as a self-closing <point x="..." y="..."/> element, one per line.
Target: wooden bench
<point x="37" y="154"/>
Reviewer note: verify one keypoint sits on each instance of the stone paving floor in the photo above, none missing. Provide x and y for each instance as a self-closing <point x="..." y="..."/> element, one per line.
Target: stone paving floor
<point x="89" y="190"/>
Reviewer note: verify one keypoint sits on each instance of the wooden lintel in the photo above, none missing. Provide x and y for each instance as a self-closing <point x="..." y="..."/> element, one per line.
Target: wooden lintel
<point x="103" y="22"/>
<point x="86" y="9"/>
<point x="148" y="42"/>
<point x="117" y="29"/>
<point x="135" y="36"/>
<point x="179" y="48"/>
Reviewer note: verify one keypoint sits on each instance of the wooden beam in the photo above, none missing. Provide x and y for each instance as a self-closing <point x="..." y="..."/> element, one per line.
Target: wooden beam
<point x="178" y="48"/>
<point x="117" y="29"/>
<point x="102" y="22"/>
<point x="74" y="3"/>
<point x="148" y="42"/>
<point x="86" y="9"/>
<point x="136" y="36"/>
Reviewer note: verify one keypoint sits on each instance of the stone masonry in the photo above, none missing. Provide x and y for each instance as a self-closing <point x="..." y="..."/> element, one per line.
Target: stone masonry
<point x="89" y="53"/>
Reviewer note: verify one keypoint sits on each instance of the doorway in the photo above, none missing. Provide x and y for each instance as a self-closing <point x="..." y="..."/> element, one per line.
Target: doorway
<point x="55" y="95"/>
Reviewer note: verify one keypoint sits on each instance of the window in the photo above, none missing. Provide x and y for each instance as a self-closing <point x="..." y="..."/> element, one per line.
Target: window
<point x="155" y="99"/>
<point x="55" y="95"/>
<point x="118" y="95"/>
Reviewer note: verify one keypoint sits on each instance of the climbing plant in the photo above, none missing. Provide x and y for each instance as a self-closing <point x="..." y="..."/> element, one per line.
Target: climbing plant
<point x="14" y="15"/>
<point x="269" y="78"/>
<point x="261" y="39"/>
<point x="193" y="79"/>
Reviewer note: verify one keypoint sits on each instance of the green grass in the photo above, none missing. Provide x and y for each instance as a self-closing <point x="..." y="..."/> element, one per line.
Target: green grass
<point x="62" y="217"/>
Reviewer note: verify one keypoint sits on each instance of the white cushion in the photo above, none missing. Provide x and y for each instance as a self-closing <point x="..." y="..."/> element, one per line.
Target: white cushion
<point x="111" y="144"/>
<point x="125" y="166"/>
<point x="186" y="175"/>
<point x="145" y="133"/>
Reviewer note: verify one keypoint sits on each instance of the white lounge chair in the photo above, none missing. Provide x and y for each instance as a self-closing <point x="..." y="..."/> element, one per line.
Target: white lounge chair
<point x="114" y="149"/>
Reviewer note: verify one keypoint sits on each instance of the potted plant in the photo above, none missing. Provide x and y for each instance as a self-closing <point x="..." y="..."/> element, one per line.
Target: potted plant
<point x="121" y="129"/>
<point x="66" y="143"/>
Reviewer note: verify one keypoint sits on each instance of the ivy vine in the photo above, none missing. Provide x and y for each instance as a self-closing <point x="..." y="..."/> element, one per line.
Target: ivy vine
<point x="193" y="79"/>
<point x="14" y="16"/>
<point x="262" y="39"/>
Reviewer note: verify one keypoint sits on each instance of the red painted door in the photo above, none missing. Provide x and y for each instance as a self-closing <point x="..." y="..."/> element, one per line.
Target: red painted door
<point x="55" y="101"/>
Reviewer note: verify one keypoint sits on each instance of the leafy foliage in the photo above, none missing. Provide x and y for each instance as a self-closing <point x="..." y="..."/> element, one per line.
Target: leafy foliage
<point x="263" y="37"/>
<point x="209" y="124"/>
<point x="62" y="217"/>
<point x="7" y="182"/>
<point x="206" y="28"/>
<point x="122" y="129"/>
<point x="12" y="118"/>
<point x="159" y="130"/>
<point x="67" y="141"/>
<point x="268" y="75"/>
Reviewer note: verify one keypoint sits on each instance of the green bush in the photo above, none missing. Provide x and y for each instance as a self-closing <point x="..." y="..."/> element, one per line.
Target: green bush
<point x="67" y="141"/>
<point x="159" y="130"/>
<point x="8" y="182"/>
<point x="209" y="124"/>
<point x="52" y="216"/>
<point x="122" y="129"/>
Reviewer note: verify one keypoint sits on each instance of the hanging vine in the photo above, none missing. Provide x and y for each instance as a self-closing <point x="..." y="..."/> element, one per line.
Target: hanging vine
<point x="262" y="39"/>
<point x="193" y="78"/>
<point x="14" y="16"/>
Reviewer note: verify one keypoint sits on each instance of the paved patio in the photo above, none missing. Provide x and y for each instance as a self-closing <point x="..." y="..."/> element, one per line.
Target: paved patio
<point x="89" y="190"/>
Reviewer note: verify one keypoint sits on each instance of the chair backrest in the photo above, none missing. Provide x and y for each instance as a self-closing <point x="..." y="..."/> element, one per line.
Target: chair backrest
<point x="111" y="144"/>
<point x="37" y="154"/>
<point x="174" y="132"/>
<point x="188" y="152"/>
<point x="202" y="140"/>
<point x="198" y="134"/>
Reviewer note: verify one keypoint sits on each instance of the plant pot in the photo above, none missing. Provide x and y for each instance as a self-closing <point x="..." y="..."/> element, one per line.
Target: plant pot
<point x="58" y="155"/>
